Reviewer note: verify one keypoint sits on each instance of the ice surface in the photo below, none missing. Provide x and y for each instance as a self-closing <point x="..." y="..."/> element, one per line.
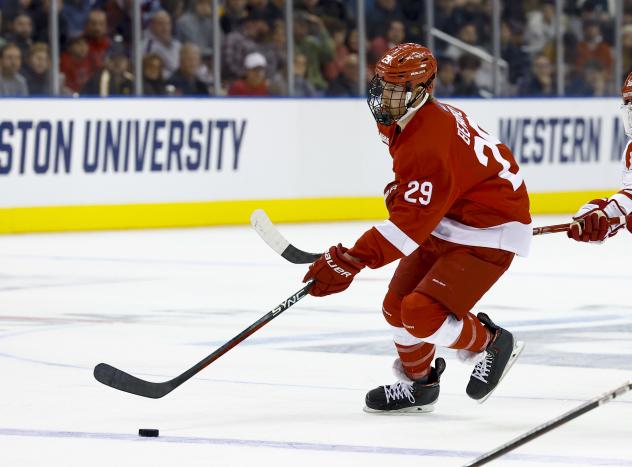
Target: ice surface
<point x="155" y="302"/>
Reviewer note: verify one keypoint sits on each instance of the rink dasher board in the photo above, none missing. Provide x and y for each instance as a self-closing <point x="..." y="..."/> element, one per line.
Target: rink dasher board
<point x="75" y="164"/>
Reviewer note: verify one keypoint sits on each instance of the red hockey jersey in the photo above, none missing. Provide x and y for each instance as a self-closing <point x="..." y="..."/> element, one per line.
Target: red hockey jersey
<point x="453" y="180"/>
<point x="624" y="197"/>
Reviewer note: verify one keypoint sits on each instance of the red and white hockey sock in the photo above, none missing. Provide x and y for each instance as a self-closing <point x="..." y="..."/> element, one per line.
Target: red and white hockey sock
<point x="416" y="359"/>
<point x="474" y="337"/>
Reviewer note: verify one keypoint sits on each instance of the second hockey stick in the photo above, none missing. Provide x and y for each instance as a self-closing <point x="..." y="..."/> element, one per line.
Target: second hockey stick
<point x="550" y="425"/>
<point x="547" y="229"/>
<point x="271" y="235"/>
<point x="122" y="381"/>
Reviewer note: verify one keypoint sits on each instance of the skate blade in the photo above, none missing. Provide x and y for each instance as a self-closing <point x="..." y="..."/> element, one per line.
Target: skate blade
<point x="517" y="350"/>
<point x="405" y="411"/>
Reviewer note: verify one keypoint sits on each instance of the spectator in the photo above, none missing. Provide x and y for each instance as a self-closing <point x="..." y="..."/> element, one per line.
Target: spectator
<point x="338" y="33"/>
<point x="327" y="9"/>
<point x="447" y="16"/>
<point x="540" y="81"/>
<point x="540" y="32"/>
<point x="627" y="48"/>
<point x="153" y="82"/>
<point x="12" y="83"/>
<point x="40" y="14"/>
<point x="275" y="51"/>
<point x="353" y="39"/>
<point x="175" y="8"/>
<point x="75" y="14"/>
<point x="346" y="85"/>
<point x="196" y="25"/>
<point x="76" y="64"/>
<point x="37" y="70"/>
<point x="446" y="77"/>
<point x="160" y="41"/>
<point x="205" y="72"/>
<point x="512" y="51"/>
<point x="589" y="11"/>
<point x="302" y="87"/>
<point x="21" y="33"/>
<point x="234" y="14"/>
<point x="379" y="18"/>
<point x="593" y="47"/>
<point x="478" y="13"/>
<point x="395" y="35"/>
<point x="254" y="82"/>
<point x="114" y="78"/>
<point x="278" y="7"/>
<point x="576" y="84"/>
<point x="96" y="35"/>
<point x="468" y="34"/>
<point x="413" y="12"/>
<point x="265" y="10"/>
<point x="318" y="47"/>
<point x="248" y="38"/>
<point x="2" y="40"/>
<point x="466" y="81"/>
<point x="185" y="79"/>
<point x="597" y="79"/>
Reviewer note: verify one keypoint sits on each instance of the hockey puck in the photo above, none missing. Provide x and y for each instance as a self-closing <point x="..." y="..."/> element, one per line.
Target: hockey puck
<point x="148" y="432"/>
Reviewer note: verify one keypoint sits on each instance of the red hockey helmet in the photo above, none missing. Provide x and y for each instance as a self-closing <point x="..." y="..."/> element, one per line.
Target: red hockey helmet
<point x="403" y="76"/>
<point x="626" y="107"/>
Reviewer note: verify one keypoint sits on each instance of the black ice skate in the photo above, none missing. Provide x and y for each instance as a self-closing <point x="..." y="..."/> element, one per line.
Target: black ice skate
<point x="500" y="354"/>
<point x="407" y="396"/>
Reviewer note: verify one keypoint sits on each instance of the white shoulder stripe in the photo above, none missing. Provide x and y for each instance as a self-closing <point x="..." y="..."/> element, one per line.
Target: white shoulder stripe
<point x="397" y="237"/>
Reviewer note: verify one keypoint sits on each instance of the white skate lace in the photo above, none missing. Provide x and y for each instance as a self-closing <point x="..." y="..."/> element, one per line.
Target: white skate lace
<point x="399" y="390"/>
<point x="482" y="368"/>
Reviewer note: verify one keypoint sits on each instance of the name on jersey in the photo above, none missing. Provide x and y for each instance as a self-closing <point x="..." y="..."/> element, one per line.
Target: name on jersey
<point x="461" y="126"/>
<point x="102" y="146"/>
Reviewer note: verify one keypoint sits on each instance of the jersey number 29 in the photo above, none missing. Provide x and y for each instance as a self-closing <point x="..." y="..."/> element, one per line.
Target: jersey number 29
<point x="414" y="187"/>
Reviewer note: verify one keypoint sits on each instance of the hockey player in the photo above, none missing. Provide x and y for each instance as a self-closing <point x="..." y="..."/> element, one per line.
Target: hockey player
<point x="591" y="221"/>
<point x="458" y="213"/>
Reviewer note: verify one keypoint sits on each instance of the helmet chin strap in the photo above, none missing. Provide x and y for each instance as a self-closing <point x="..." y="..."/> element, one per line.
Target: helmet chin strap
<point x="411" y="109"/>
<point x="421" y="102"/>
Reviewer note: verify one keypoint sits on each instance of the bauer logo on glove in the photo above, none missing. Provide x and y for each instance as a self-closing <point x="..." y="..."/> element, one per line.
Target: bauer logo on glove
<point x="332" y="272"/>
<point x="335" y="267"/>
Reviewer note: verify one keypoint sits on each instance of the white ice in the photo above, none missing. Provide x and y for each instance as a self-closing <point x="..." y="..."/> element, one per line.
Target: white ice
<point x="155" y="302"/>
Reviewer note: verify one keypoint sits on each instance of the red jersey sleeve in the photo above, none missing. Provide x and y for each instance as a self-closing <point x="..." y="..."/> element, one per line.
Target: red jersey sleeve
<point x="424" y="193"/>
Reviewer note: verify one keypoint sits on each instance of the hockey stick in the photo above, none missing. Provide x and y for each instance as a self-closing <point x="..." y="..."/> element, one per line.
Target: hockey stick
<point x="550" y="425"/>
<point x="122" y="381"/>
<point x="547" y="229"/>
<point x="271" y="235"/>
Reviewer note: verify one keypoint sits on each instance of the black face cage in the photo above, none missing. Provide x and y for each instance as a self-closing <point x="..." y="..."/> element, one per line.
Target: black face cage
<point x="387" y="101"/>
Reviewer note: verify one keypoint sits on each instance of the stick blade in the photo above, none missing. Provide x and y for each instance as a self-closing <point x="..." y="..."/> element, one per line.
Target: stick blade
<point x="271" y="235"/>
<point x="267" y="231"/>
<point x="117" y="379"/>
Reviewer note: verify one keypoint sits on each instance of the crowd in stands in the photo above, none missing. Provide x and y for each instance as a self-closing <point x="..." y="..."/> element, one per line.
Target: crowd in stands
<point x="177" y="45"/>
